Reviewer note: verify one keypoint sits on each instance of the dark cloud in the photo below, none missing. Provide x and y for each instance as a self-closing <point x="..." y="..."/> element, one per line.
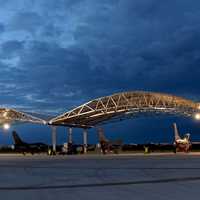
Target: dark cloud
<point x="11" y="48"/>
<point x="128" y="44"/>
<point x="51" y="31"/>
<point x="2" y="28"/>
<point x="27" y="21"/>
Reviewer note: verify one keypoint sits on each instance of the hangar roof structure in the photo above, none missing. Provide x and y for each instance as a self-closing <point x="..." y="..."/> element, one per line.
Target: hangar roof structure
<point x="8" y="115"/>
<point x="124" y="105"/>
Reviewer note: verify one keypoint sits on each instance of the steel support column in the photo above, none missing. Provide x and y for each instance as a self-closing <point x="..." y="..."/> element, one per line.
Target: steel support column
<point x="85" y="135"/>
<point x="69" y="136"/>
<point x="54" y="138"/>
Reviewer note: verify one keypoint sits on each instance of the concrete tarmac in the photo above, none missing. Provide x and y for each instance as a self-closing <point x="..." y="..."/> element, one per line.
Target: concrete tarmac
<point x="112" y="177"/>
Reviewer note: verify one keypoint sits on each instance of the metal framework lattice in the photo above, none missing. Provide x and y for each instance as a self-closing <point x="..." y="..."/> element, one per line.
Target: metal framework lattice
<point x="13" y="116"/>
<point x="123" y="105"/>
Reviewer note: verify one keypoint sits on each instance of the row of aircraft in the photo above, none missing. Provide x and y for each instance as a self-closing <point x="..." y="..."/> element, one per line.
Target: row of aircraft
<point x="180" y="144"/>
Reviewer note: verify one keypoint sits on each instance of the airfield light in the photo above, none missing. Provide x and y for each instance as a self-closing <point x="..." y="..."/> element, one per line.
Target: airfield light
<point x="6" y="126"/>
<point x="197" y="116"/>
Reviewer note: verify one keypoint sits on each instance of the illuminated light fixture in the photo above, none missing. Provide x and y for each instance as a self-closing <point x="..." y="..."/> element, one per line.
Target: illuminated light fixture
<point x="6" y="126"/>
<point x="198" y="107"/>
<point x="5" y="114"/>
<point x="197" y="116"/>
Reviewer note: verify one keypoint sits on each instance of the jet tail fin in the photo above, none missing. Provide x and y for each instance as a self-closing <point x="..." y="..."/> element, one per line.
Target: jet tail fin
<point x="101" y="135"/>
<point x="176" y="133"/>
<point x="16" y="138"/>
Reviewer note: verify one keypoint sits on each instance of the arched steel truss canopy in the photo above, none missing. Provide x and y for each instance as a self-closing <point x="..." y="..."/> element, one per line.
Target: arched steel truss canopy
<point x="8" y="115"/>
<point x="123" y="105"/>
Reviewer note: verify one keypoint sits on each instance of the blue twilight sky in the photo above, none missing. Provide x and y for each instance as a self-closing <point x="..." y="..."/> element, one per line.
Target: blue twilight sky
<point x="57" y="54"/>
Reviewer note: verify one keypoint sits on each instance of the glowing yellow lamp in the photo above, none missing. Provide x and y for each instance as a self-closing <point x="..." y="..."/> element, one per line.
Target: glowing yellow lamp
<point x="197" y="116"/>
<point x="6" y="126"/>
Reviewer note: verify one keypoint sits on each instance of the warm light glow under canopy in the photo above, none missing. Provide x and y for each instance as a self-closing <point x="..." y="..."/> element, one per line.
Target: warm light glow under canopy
<point x="6" y="126"/>
<point x="197" y="116"/>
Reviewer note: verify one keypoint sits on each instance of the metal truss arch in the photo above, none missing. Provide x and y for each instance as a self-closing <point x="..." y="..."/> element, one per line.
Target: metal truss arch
<point x="8" y="115"/>
<point x="125" y="104"/>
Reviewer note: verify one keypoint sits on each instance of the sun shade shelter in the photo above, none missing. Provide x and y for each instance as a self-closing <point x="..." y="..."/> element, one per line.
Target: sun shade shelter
<point x="125" y="105"/>
<point x="106" y="109"/>
<point x="11" y="116"/>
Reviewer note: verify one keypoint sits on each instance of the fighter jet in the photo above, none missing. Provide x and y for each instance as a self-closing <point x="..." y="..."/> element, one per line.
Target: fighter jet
<point x="23" y="147"/>
<point x="181" y="144"/>
<point x="107" y="145"/>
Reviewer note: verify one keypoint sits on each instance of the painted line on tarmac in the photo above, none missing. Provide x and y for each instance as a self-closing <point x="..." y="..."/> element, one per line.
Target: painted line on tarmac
<point x="109" y="184"/>
<point x="97" y="168"/>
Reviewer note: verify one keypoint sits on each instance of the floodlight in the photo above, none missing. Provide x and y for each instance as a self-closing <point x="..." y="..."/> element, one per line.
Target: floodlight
<point x="197" y="116"/>
<point x="6" y="126"/>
